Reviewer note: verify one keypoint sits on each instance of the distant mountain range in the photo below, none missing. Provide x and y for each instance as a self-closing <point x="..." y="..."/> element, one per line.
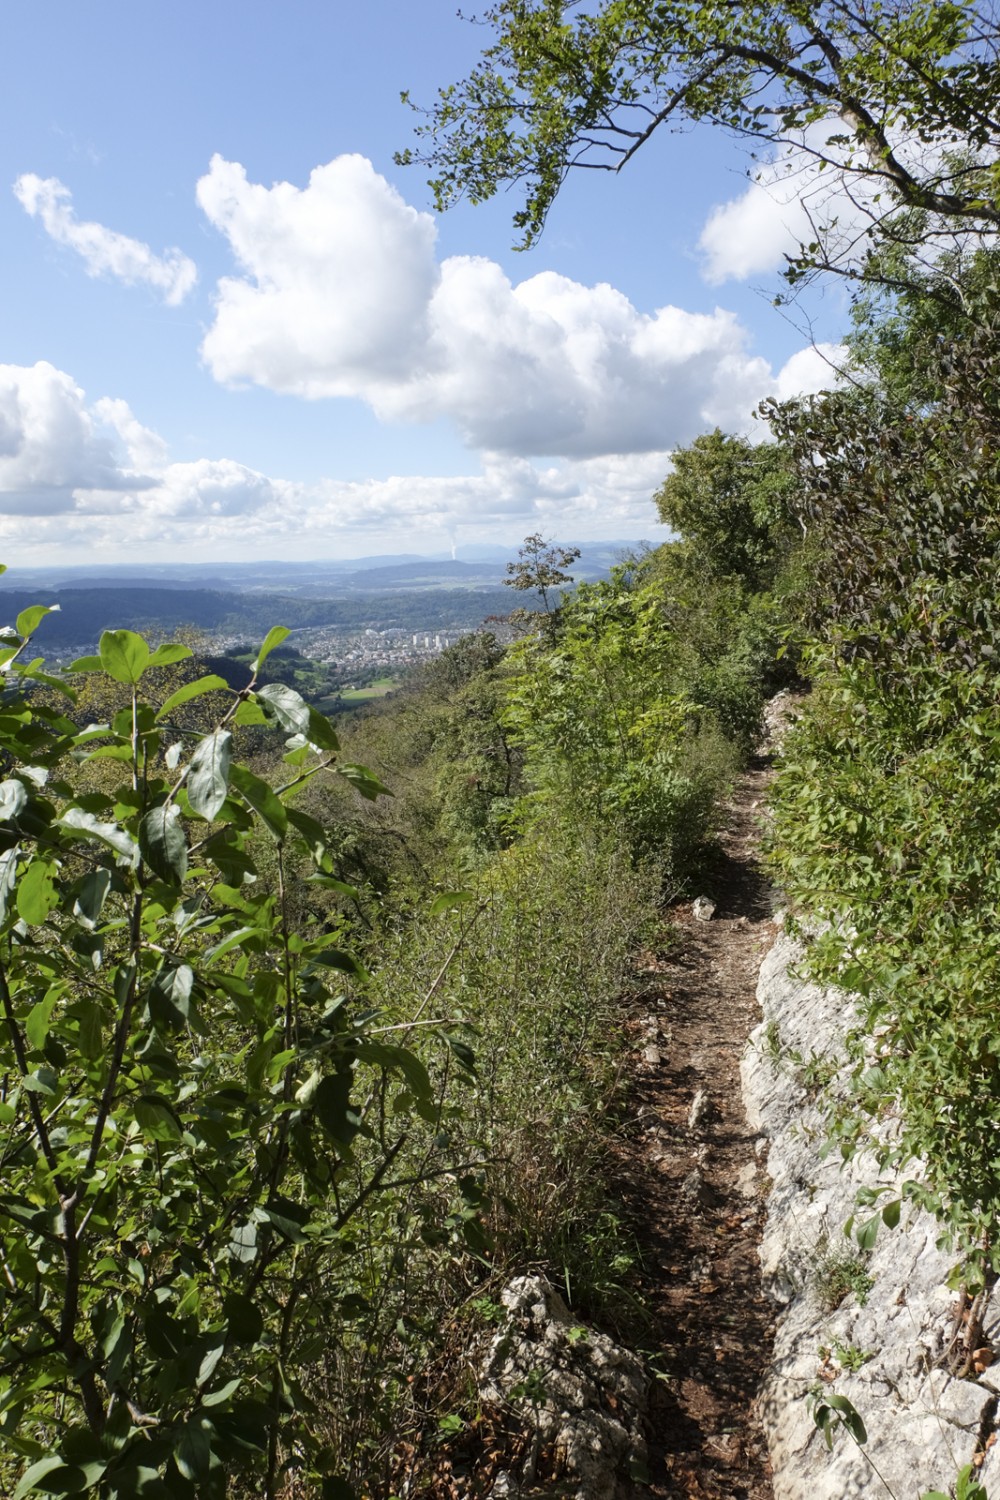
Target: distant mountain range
<point x="475" y="567"/>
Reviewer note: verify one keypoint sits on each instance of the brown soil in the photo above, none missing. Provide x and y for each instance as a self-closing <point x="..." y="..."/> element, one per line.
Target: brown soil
<point x="695" y="1189"/>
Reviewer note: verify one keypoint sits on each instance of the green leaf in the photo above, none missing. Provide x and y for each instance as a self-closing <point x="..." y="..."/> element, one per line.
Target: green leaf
<point x="263" y="799"/>
<point x="208" y="774"/>
<point x="29" y="619"/>
<point x="170" y="996"/>
<point x="91" y="896"/>
<point x="169" y="653"/>
<point x="163" y="845"/>
<point x="86" y="664"/>
<point x="193" y="1450"/>
<point x="243" y="1243"/>
<point x="91" y="1029"/>
<point x="13" y="797"/>
<point x="54" y="1476"/>
<point x="75" y="820"/>
<point x="36" y="1027"/>
<point x="124" y="655"/>
<point x="364" y="781"/>
<point x="285" y="705"/>
<point x="156" y="1118"/>
<point x="210" y="683"/>
<point x="36" y="892"/>
<point x="866" y="1234"/>
<point x="890" y="1214"/>
<point x="250" y="712"/>
<point x="345" y="963"/>
<point x="321" y="732"/>
<point x="274" y="637"/>
<point x="449" y="900"/>
<point x="330" y="883"/>
<point x="8" y="877"/>
<point x="314" y="835"/>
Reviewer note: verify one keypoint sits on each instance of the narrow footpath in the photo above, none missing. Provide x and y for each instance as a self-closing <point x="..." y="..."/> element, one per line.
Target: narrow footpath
<point x="694" y="1181"/>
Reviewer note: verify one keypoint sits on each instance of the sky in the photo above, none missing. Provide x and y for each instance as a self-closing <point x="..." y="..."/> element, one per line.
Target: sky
<point x="234" y="329"/>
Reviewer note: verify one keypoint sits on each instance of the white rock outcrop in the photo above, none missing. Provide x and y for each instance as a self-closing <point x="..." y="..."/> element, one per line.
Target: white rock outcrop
<point x="584" y="1396"/>
<point x="881" y="1345"/>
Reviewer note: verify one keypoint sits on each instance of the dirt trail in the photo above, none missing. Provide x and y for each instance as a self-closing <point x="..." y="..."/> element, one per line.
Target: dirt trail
<point x="693" y="1179"/>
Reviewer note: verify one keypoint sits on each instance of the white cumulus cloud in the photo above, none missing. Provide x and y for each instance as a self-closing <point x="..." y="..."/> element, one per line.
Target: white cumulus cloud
<point x="88" y="479"/>
<point x="340" y="293"/>
<point x="105" y="252"/>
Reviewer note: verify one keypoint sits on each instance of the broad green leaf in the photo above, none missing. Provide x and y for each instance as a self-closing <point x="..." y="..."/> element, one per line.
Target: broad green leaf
<point x="86" y="664"/>
<point x="250" y="712"/>
<point x="210" y="683"/>
<point x="263" y="799"/>
<point x="91" y="896"/>
<point x="13" y="797"/>
<point x="156" y="1118"/>
<point x="163" y="845"/>
<point x="364" y="781"/>
<point x="90" y="1019"/>
<point x="866" y="1234"/>
<point x="286" y="705"/>
<point x="55" y="1476"/>
<point x="313" y="833"/>
<point x="207" y="781"/>
<point x="329" y="883"/>
<point x="36" y="892"/>
<point x="8" y="877"/>
<point x="29" y="619"/>
<point x="193" y="1450"/>
<point x="36" y="1027"/>
<point x="124" y="655"/>
<point x="210" y="1362"/>
<point x="75" y="820"/>
<point x="274" y="637"/>
<point x="169" y="653"/>
<point x="243" y="1243"/>
<point x="170" y="996"/>
<point x="449" y="900"/>
<point x="321" y="732"/>
<point x="337" y="958"/>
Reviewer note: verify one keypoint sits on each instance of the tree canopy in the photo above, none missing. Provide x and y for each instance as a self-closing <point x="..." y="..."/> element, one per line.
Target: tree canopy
<point x="909" y="89"/>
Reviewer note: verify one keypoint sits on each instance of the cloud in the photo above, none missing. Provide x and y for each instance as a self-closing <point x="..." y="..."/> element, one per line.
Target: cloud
<point x="104" y="251"/>
<point x="341" y="294"/>
<point x="88" y="478"/>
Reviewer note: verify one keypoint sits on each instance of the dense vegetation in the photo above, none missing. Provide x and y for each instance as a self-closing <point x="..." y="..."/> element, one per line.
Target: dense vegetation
<point x="268" y="1148"/>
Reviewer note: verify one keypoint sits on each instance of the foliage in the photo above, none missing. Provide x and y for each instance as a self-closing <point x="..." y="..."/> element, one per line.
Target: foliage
<point x="562" y="87"/>
<point x="194" y="1098"/>
<point x="840" y="1274"/>
<point x="728" y="499"/>
<point x="886" y="812"/>
<point x="541" y="567"/>
<point x="607" y="731"/>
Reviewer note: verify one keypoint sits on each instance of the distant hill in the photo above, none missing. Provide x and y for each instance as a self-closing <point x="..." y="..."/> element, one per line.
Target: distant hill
<point x="158" y="611"/>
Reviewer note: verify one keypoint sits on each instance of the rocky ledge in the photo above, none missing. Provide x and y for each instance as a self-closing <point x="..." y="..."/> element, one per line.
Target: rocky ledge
<point x="875" y="1328"/>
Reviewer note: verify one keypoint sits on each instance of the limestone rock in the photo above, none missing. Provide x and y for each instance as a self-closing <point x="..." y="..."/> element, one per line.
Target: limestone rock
<point x="922" y="1424"/>
<point x="586" y="1395"/>
<point x="702" y="909"/>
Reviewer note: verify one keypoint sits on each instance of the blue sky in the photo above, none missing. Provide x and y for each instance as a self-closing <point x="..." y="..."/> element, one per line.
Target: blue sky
<point x="233" y="328"/>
